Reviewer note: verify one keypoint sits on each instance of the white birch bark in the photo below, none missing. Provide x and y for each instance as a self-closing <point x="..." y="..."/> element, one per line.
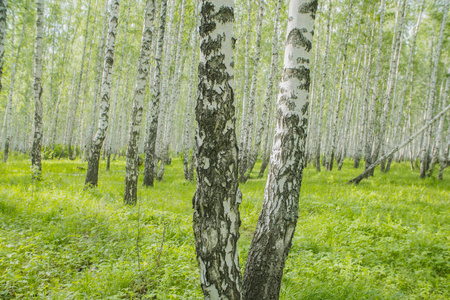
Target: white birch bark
<point x="153" y="110"/>
<point x="37" y="93"/>
<point x="132" y="167"/>
<point x="277" y="221"/>
<point x="217" y="198"/>
<point x="93" y="163"/>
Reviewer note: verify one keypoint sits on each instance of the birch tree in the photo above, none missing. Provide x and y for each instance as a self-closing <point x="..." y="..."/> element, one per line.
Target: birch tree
<point x="132" y="167"/>
<point x="217" y="198"/>
<point x="276" y="224"/>
<point x="153" y="111"/>
<point x="94" y="159"/>
<point x="35" y="152"/>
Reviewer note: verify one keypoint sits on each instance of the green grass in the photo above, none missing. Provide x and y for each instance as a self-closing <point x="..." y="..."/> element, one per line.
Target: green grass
<point x="387" y="238"/>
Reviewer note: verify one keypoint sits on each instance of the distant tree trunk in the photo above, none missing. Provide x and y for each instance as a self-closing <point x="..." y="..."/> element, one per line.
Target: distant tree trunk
<point x="97" y="86"/>
<point x="153" y="111"/>
<point x="425" y="151"/>
<point x="244" y="115"/>
<point x="187" y="138"/>
<point x="3" y="13"/>
<point x="322" y="90"/>
<point x="396" y="43"/>
<point x="37" y="89"/>
<point x="276" y="224"/>
<point x="93" y="163"/>
<point x="341" y="82"/>
<point x="372" y="109"/>
<point x="217" y="198"/>
<point x="132" y="167"/>
<point x="247" y="155"/>
<point x="174" y="93"/>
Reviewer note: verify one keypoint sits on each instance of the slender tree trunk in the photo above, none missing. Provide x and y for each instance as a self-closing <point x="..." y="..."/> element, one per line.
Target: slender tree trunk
<point x="93" y="163"/>
<point x="372" y="112"/>
<point x="37" y="89"/>
<point x="187" y="138"/>
<point x="217" y="198"/>
<point x="132" y="167"/>
<point x="153" y="111"/>
<point x="276" y="224"/>
<point x="425" y="151"/>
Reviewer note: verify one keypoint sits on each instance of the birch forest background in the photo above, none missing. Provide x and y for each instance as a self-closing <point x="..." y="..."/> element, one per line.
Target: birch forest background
<point x="105" y="136"/>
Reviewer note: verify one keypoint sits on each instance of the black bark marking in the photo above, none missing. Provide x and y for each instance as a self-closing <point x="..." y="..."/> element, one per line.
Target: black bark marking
<point x="296" y="37"/>
<point x="309" y="7"/>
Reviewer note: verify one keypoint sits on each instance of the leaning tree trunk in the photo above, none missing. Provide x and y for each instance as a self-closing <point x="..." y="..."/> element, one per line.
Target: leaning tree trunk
<point x="363" y="175"/>
<point x="3" y="10"/>
<point x="217" y="198"/>
<point x="37" y="89"/>
<point x="425" y="151"/>
<point x="94" y="159"/>
<point x="153" y="113"/>
<point x="132" y="167"/>
<point x="276" y="224"/>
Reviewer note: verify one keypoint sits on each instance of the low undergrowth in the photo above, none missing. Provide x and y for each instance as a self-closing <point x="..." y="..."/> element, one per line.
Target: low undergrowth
<point x="387" y="238"/>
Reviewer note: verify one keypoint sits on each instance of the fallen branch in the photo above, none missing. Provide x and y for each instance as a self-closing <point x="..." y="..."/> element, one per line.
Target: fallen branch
<point x="363" y="175"/>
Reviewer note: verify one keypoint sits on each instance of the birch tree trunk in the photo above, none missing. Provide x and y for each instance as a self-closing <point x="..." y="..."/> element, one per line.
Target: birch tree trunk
<point x="100" y="56"/>
<point x="192" y="90"/>
<point x="3" y="14"/>
<point x="372" y="112"/>
<point x="276" y="224"/>
<point x="35" y="152"/>
<point x="93" y="163"/>
<point x="153" y="111"/>
<point x="217" y="198"/>
<point x="425" y="150"/>
<point x="322" y="90"/>
<point x="269" y="92"/>
<point x="132" y="167"/>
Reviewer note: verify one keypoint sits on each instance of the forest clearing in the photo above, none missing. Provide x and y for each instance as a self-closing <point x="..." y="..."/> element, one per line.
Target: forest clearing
<point x="224" y="149"/>
<point x="387" y="238"/>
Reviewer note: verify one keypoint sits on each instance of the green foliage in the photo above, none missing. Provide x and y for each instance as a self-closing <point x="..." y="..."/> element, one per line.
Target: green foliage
<point x="384" y="239"/>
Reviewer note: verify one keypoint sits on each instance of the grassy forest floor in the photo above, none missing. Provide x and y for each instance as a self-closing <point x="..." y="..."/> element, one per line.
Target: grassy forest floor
<point x="388" y="238"/>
